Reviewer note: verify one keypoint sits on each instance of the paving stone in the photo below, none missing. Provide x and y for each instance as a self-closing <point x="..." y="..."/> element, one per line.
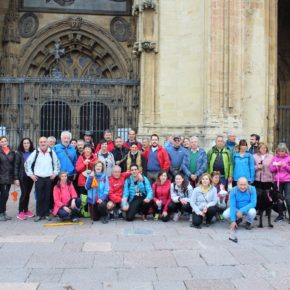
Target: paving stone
<point x="27" y="239"/>
<point x="72" y="247"/>
<point x="246" y="284"/>
<point x="169" y="285"/>
<point x="254" y="271"/>
<point x="278" y="270"/>
<point x="275" y="254"/>
<point x="220" y="257"/>
<point x="109" y="260"/>
<point x="215" y="272"/>
<point x="209" y="285"/>
<point x="9" y="275"/>
<point x="81" y="285"/>
<point x="128" y="286"/>
<point x="18" y="286"/>
<point x="188" y="258"/>
<point x="122" y="246"/>
<point x="248" y="256"/>
<point x="61" y="260"/>
<point x="149" y="259"/>
<point x="45" y="275"/>
<point x="97" y="247"/>
<point x="173" y="274"/>
<point x="279" y="284"/>
<point x="142" y="274"/>
<point x="91" y="275"/>
<point x="10" y="259"/>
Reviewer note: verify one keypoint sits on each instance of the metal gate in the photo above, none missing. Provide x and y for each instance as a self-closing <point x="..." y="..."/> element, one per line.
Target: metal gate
<point x="45" y="106"/>
<point x="284" y="125"/>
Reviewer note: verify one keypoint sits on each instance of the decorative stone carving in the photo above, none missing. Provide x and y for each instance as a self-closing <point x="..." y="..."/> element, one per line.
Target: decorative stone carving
<point x="62" y="2"/>
<point x="120" y="29"/>
<point x="146" y="46"/>
<point x="75" y="22"/>
<point x="28" y="25"/>
<point x="143" y="5"/>
<point x="10" y="28"/>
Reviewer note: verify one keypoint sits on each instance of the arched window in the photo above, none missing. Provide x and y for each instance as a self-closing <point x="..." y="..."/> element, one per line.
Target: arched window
<point x="55" y="117"/>
<point x="95" y="116"/>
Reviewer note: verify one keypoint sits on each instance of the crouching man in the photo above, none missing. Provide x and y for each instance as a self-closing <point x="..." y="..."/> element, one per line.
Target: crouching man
<point x="243" y="200"/>
<point x="137" y="195"/>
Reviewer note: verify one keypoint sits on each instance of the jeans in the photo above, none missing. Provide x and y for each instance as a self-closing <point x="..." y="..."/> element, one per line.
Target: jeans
<point x="198" y="219"/>
<point x="137" y="205"/>
<point x="250" y="215"/>
<point x="4" y="194"/>
<point x="74" y="212"/>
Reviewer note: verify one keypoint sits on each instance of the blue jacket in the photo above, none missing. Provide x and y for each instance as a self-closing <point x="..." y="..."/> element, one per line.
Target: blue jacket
<point x="201" y="163"/>
<point x="242" y="201"/>
<point x="65" y="163"/>
<point x="231" y="146"/>
<point x="144" y="187"/>
<point x="100" y="192"/>
<point x="244" y="166"/>
<point x="176" y="156"/>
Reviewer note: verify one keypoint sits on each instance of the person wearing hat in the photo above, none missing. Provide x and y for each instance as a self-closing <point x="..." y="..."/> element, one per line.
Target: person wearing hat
<point x="176" y="155"/>
<point x="88" y="138"/>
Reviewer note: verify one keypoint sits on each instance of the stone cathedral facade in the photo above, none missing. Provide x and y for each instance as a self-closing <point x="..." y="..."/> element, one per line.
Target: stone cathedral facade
<point x="193" y="67"/>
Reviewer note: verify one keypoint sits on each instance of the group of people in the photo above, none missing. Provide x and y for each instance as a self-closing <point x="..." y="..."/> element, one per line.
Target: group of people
<point x="120" y="179"/>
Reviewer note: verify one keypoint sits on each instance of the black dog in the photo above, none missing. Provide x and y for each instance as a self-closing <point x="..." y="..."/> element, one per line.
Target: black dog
<point x="265" y="200"/>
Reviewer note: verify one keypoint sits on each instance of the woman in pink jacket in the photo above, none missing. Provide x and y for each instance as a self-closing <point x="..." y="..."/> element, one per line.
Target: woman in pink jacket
<point x="280" y="167"/>
<point x="66" y="201"/>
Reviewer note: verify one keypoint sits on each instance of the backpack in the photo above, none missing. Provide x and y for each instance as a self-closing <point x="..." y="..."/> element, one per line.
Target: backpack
<point x="84" y="207"/>
<point x="34" y="161"/>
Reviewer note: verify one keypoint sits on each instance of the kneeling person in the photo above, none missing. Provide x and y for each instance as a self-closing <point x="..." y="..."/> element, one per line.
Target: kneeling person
<point x="137" y="194"/>
<point x="243" y="200"/>
<point x="66" y="201"/>
<point x="116" y="180"/>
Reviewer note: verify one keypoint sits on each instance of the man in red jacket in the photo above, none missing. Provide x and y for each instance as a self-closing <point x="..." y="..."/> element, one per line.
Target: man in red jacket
<point x="132" y="138"/>
<point x="156" y="158"/>
<point x="116" y="180"/>
<point x="108" y="136"/>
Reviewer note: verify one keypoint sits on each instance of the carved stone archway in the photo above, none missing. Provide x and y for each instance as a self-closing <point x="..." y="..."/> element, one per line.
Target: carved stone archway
<point x="75" y="34"/>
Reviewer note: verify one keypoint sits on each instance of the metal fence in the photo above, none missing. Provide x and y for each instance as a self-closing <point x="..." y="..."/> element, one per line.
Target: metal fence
<point x="283" y="134"/>
<point x="34" y="107"/>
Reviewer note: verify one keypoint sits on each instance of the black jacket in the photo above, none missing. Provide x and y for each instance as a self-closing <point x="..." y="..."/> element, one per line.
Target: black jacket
<point x="19" y="170"/>
<point x="7" y="167"/>
<point x="120" y="154"/>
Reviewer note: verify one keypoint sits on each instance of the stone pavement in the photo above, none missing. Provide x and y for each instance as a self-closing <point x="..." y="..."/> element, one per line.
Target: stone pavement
<point x="141" y="255"/>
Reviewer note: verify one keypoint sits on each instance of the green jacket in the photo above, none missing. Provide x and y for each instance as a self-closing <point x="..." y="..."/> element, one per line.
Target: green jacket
<point x="227" y="159"/>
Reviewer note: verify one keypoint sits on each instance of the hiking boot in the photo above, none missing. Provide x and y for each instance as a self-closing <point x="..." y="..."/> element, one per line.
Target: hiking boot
<point x="194" y="226"/>
<point x="278" y="219"/>
<point x="8" y="218"/>
<point x="21" y="216"/>
<point x="37" y="218"/>
<point x="248" y="226"/>
<point x="2" y="217"/>
<point x="28" y="214"/>
<point x="105" y="220"/>
<point x="120" y="215"/>
<point x="176" y="216"/>
<point x="112" y="216"/>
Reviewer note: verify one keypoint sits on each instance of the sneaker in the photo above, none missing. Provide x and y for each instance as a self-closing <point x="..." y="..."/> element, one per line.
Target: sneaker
<point x="120" y="215"/>
<point x="156" y="217"/>
<point x="144" y="218"/>
<point x="176" y="216"/>
<point x="194" y="226"/>
<point x="21" y="216"/>
<point x="28" y="214"/>
<point x="105" y="220"/>
<point x="248" y="226"/>
<point x="8" y="218"/>
<point x="278" y="219"/>
<point x="37" y="218"/>
<point x="221" y="217"/>
<point x="112" y="216"/>
<point x="75" y="220"/>
<point x="239" y="220"/>
<point x="48" y="218"/>
<point x="2" y="217"/>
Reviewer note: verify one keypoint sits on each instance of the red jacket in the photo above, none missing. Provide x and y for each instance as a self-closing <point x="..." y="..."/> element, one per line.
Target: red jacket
<point x="62" y="196"/>
<point x="81" y="167"/>
<point x="162" y="157"/>
<point x="117" y="187"/>
<point x="127" y="145"/>
<point x="162" y="192"/>
<point x="111" y="146"/>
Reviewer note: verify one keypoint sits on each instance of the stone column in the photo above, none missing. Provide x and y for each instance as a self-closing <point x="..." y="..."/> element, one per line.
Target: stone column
<point x="146" y="48"/>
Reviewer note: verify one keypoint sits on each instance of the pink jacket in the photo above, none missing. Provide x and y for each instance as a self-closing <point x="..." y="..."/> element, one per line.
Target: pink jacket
<point x="62" y="196"/>
<point x="281" y="173"/>
<point x="264" y="174"/>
